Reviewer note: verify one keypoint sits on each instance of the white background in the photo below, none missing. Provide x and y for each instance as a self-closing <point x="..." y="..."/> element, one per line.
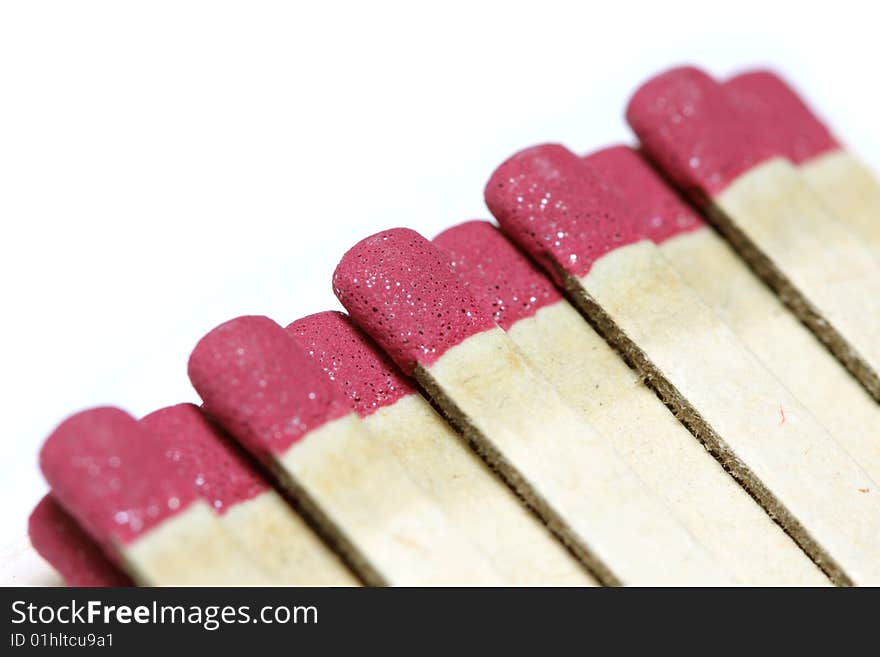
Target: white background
<point x="165" y="166"/>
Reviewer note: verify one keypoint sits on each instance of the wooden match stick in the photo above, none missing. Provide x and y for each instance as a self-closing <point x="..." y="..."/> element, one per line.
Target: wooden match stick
<point x="437" y="457"/>
<point x="69" y="550"/>
<point x="725" y="284"/>
<point x="399" y="288"/>
<point x="592" y="377"/>
<point x="846" y="186"/>
<point x="107" y="473"/>
<point x="257" y="382"/>
<point x="692" y="128"/>
<point x="563" y="214"/>
<point x="271" y="532"/>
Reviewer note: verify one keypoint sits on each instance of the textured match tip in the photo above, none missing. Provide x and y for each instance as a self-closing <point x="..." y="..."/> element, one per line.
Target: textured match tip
<point x="351" y="360"/>
<point x="688" y="124"/>
<point x="76" y="557"/>
<point x="260" y="386"/>
<point x="766" y="99"/>
<point x="558" y="210"/>
<point x="660" y="212"/>
<point x="104" y="469"/>
<point x="400" y="289"/>
<point x="203" y="453"/>
<point x="503" y="280"/>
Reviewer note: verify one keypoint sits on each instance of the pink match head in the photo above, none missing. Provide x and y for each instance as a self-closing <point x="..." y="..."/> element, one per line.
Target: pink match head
<point x="261" y="386"/>
<point x="765" y="98"/>
<point x="401" y="290"/>
<point x="502" y="279"/>
<point x="660" y="211"/>
<point x="558" y="210"/>
<point x="67" y="548"/>
<point x="689" y="126"/>
<point x="200" y="450"/>
<point x="353" y="362"/>
<point x="104" y="469"/>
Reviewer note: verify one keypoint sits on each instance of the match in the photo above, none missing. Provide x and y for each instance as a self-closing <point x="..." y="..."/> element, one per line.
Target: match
<point x="400" y="289"/>
<point x="848" y="188"/>
<point x="273" y="399"/>
<point x="695" y="132"/>
<point x="68" y="549"/>
<point x="107" y="473"/>
<point x="757" y="317"/>
<point x="436" y="456"/>
<point x="269" y="530"/>
<point x="592" y="377"/>
<point x="569" y="220"/>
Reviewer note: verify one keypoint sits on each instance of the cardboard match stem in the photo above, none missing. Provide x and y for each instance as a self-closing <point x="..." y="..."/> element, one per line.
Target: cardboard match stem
<point x="436" y="457"/>
<point x="782" y="344"/>
<point x="397" y="284"/>
<point x="107" y="473"/>
<point x="592" y="377"/>
<point x="705" y="143"/>
<point x="844" y="184"/>
<point x="732" y="291"/>
<point x="789" y="462"/>
<point x="474" y="497"/>
<point x="849" y="190"/>
<point x="260" y="385"/>
<point x="563" y="467"/>
<point x="818" y="268"/>
<point x="269" y="530"/>
<point x="800" y="475"/>
<point x="364" y="491"/>
<point x="191" y="548"/>
<point x="284" y="545"/>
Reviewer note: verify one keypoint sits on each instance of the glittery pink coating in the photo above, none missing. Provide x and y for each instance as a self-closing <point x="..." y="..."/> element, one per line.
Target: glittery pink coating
<point x="661" y="212"/>
<point x="107" y="473"/>
<point x="503" y="280"/>
<point x="203" y="453"/>
<point x="400" y="289"/>
<point x="69" y="550"/>
<point x="766" y="99"/>
<point x="557" y="209"/>
<point x="352" y="361"/>
<point x="261" y="387"/>
<point x="689" y="125"/>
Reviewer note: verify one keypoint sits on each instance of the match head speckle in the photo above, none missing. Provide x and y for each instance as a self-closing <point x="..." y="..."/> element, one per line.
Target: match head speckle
<point x="400" y="289"/>
<point x="765" y="98"/>
<point x="352" y="361"/>
<point x="557" y="209"/>
<point x="503" y="280"/>
<point x="76" y="557"/>
<point x="203" y="453"/>
<point x="658" y="208"/>
<point x="261" y="387"/>
<point x="689" y="125"/>
<point x="106" y="472"/>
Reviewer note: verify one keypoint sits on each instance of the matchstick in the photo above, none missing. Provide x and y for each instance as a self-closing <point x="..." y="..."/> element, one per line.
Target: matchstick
<point x="271" y="532"/>
<point x="105" y="470"/>
<point x="69" y="550"/>
<point x="692" y="128"/>
<point x="725" y="284"/>
<point x="272" y="398"/>
<point x="437" y="457"/>
<point x="844" y="184"/>
<point x="591" y="376"/>
<point x="563" y="214"/>
<point x="399" y="288"/>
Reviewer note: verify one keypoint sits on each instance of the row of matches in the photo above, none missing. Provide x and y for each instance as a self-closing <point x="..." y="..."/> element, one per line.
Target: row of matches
<point x="604" y="389"/>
